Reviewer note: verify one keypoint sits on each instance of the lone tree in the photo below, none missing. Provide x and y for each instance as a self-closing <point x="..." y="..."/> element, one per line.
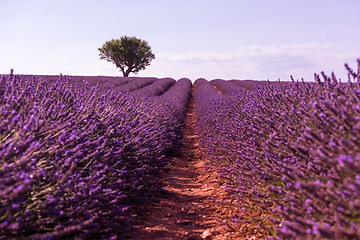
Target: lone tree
<point x="127" y="52"/>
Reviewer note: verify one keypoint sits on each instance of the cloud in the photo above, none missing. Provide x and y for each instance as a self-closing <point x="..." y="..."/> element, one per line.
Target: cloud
<point x="259" y="62"/>
<point x="197" y="57"/>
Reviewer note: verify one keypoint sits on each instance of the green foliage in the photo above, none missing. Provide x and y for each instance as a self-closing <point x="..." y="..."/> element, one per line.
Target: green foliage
<point x="130" y="54"/>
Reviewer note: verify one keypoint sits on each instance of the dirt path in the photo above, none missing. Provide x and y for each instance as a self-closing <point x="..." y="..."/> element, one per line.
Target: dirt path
<point x="188" y="211"/>
<point x="217" y="90"/>
<point x="195" y="205"/>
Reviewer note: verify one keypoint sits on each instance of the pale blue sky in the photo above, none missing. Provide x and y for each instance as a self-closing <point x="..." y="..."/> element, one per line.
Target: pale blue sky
<point x="228" y="39"/>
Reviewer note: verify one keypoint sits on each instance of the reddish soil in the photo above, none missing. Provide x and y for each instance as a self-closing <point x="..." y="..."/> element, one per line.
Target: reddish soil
<point x="187" y="210"/>
<point x="194" y="206"/>
<point x="217" y="90"/>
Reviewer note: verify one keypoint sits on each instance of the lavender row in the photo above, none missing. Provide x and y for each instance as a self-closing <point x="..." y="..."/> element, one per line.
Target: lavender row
<point x="207" y="91"/>
<point x="178" y="93"/>
<point x="103" y="83"/>
<point x="177" y="98"/>
<point x="226" y="88"/>
<point x="155" y="89"/>
<point x="73" y="162"/>
<point x="250" y="85"/>
<point x="291" y="153"/>
<point x="135" y="84"/>
<point x="233" y="87"/>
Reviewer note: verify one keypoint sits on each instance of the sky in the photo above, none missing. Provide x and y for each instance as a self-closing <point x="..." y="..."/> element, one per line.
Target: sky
<point x="226" y="39"/>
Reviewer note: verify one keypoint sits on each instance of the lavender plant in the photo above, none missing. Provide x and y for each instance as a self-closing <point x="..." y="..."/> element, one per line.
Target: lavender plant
<point x="74" y="162"/>
<point x="289" y="152"/>
<point x="135" y="84"/>
<point x="226" y="87"/>
<point x="155" y="89"/>
<point x="177" y="99"/>
<point x="250" y="85"/>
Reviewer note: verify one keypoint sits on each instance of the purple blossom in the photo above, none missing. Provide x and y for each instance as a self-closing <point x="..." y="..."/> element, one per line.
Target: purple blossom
<point x="74" y="154"/>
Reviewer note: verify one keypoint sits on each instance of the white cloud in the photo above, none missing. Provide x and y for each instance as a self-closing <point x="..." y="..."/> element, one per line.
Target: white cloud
<point x="245" y="62"/>
<point x="258" y="62"/>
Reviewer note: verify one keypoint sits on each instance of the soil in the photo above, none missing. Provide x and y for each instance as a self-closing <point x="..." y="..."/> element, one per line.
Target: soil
<point x="193" y="206"/>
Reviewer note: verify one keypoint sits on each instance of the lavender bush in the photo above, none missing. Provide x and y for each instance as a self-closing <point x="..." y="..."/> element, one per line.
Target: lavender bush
<point x="135" y="84"/>
<point x="74" y="162"/>
<point x="291" y="150"/>
<point x="250" y="85"/>
<point x="177" y="99"/>
<point x="226" y="87"/>
<point x="103" y="83"/>
<point x="155" y="89"/>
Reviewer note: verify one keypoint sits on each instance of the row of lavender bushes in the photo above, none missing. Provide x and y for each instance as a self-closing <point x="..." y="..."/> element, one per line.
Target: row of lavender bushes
<point x="226" y="88"/>
<point x="135" y="84"/>
<point x="74" y="162"/>
<point x="155" y="89"/>
<point x="292" y="150"/>
<point x="103" y="83"/>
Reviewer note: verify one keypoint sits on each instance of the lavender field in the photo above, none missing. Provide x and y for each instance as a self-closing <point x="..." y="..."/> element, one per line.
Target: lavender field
<point x="290" y="152"/>
<point x="75" y="160"/>
<point x="78" y="155"/>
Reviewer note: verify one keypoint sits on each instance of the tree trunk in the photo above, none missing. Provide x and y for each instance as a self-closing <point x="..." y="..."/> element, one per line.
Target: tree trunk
<point x="126" y="74"/>
<point x="122" y="70"/>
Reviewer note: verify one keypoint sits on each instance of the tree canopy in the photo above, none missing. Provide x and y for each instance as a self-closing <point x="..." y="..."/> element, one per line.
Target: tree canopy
<point x="130" y="54"/>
